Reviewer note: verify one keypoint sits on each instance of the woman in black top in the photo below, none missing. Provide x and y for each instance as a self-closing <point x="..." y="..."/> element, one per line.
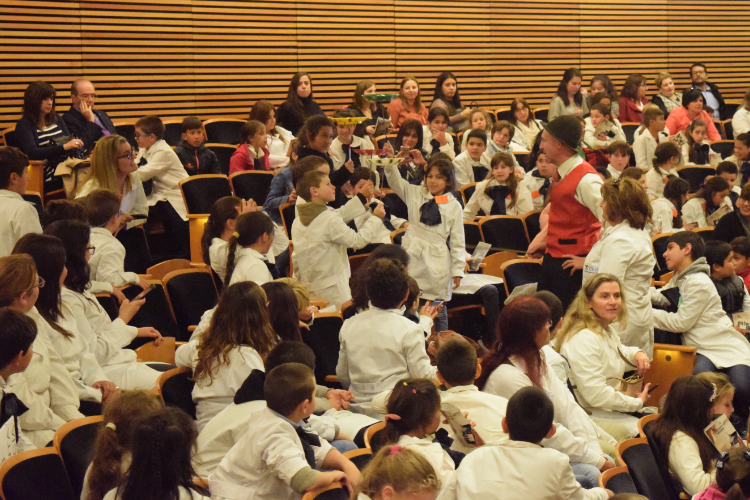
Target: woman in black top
<point x="41" y="134"/>
<point x="362" y="107"/>
<point x="299" y="104"/>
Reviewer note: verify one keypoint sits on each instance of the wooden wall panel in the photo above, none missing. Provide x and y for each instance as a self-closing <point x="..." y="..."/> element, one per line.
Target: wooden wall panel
<point x="217" y="57"/>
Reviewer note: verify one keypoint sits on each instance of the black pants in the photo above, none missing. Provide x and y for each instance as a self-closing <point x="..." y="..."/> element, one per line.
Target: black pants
<point x="176" y="229"/>
<point x="557" y="280"/>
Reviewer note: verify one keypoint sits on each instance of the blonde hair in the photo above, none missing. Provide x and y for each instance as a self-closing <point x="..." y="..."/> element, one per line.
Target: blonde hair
<point x="404" y="470"/>
<point x="660" y="78"/>
<point x="580" y="316"/>
<point x="746" y="100"/>
<point x="300" y="291"/>
<point x="721" y="381"/>
<point x="644" y="125"/>
<point x="104" y="165"/>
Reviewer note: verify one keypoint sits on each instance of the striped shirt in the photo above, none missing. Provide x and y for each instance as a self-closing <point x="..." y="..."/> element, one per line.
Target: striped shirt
<point x="47" y="137"/>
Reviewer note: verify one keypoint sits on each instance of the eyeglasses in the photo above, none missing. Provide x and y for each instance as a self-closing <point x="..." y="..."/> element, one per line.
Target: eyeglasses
<point x="40" y="283"/>
<point x="91" y="249"/>
<point x="130" y="155"/>
<point x="143" y="135"/>
<point x="86" y="97"/>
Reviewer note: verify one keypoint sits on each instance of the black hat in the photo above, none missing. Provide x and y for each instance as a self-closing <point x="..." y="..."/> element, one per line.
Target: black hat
<point x="566" y="129"/>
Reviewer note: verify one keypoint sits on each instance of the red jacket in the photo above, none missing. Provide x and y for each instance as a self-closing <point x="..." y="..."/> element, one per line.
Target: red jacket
<point x="243" y="159"/>
<point x="629" y="112"/>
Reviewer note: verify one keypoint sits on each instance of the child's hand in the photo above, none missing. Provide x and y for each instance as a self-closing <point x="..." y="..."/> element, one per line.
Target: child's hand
<point x="601" y="136"/>
<point x="429" y="311"/>
<point x="308" y="313"/>
<point x="143" y="283"/>
<point x="339" y="399"/>
<point x="379" y="211"/>
<point x="150" y="332"/>
<point x="370" y="129"/>
<point x="607" y="465"/>
<point x="349" y="166"/>
<point x="439" y="136"/>
<point x="128" y="309"/>
<point x="520" y="173"/>
<point x="292" y="196"/>
<point x="108" y="389"/>
<point x="456" y="281"/>
<point x="466" y="113"/>
<point x="248" y="206"/>
<point x="117" y="292"/>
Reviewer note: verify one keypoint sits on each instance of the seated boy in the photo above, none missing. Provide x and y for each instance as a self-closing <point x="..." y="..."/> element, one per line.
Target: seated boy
<point x="538" y="181"/>
<point x="17" y="216"/>
<point x="729" y="171"/>
<point x="645" y="144"/>
<point x="156" y="160"/>
<point x="741" y="258"/>
<point x="501" y="134"/>
<point x="363" y="181"/>
<point x="731" y="288"/>
<point x="618" y="154"/>
<point x="196" y="158"/>
<point x="108" y="258"/>
<point x="472" y="165"/>
<point x="393" y="346"/>
<point x="457" y="369"/>
<point x="700" y="317"/>
<point x="321" y="238"/>
<point x="521" y="465"/>
<point x="276" y="458"/>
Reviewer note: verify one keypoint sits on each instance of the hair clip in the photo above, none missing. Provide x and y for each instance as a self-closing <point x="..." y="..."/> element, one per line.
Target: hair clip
<point x="722" y="460"/>
<point x="394" y="449"/>
<point x="112" y="426"/>
<point x="405" y="384"/>
<point x="414" y="391"/>
<point x="713" y="396"/>
<point x="236" y="234"/>
<point x="391" y="416"/>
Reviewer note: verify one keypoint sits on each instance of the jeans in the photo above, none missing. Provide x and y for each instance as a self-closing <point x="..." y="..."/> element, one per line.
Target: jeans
<point x="343" y="445"/>
<point x="739" y="375"/>
<point x="441" y="320"/>
<point x="587" y="475"/>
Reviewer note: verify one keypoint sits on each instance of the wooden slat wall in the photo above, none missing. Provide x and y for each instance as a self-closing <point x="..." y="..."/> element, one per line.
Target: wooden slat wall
<point x="217" y="57"/>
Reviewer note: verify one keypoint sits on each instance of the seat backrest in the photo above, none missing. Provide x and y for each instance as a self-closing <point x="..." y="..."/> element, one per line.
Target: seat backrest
<point x="522" y="158"/>
<point x="359" y="457"/>
<point x="176" y="389"/>
<point x="659" y="243"/>
<point x="520" y="272"/>
<point x="323" y="339"/>
<point x="728" y="130"/>
<point x="541" y="113"/>
<point x="618" y="480"/>
<point x="472" y="234"/>
<point x="74" y="441"/>
<point x="396" y="206"/>
<point x="35" y="474"/>
<point x="503" y="114"/>
<point x="9" y="135"/>
<point x="172" y="132"/>
<point x="504" y="232"/>
<point x="252" y="185"/>
<point x="160" y="270"/>
<point x="288" y="213"/>
<point x="492" y="264"/>
<point x="669" y="363"/>
<point x="704" y="232"/>
<point x="636" y="454"/>
<point x="467" y="191"/>
<point x="200" y="192"/>
<point x="480" y="173"/>
<point x="223" y="153"/>
<point x="695" y="175"/>
<point x="629" y="128"/>
<point x="531" y="222"/>
<point x="724" y="148"/>
<point x="191" y="292"/>
<point x="223" y="130"/>
<point x="374" y="438"/>
<point x="660" y="460"/>
<point x="155" y="312"/>
<point x="137" y="251"/>
<point x="334" y="491"/>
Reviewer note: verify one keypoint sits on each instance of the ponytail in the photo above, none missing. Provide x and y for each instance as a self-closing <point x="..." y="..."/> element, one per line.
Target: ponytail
<point x="735" y="493"/>
<point x="231" y="258"/>
<point x="411" y="407"/>
<point x="249" y="228"/>
<point x="225" y="209"/>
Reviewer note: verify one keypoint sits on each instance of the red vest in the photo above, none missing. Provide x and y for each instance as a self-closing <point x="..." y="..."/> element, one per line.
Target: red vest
<point x="572" y="228"/>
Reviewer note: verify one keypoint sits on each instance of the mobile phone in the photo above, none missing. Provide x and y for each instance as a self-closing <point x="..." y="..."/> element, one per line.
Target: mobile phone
<point x="144" y="292"/>
<point x="460" y="425"/>
<point x="652" y="388"/>
<point x="436" y="303"/>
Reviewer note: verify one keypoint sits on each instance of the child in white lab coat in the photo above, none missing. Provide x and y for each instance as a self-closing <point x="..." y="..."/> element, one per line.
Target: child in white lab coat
<point x="697" y="150"/>
<point x="479" y="119"/>
<point x="600" y="128"/>
<point x="17" y="217"/>
<point x="500" y="193"/>
<point x="435" y="237"/>
<point x="436" y="139"/>
<point x="667" y="157"/>
<point x="239" y="338"/>
<point x="398" y="472"/>
<point x="360" y="180"/>
<point x="457" y="369"/>
<point x="345" y="142"/>
<point x="539" y="180"/>
<point x="714" y="195"/>
<point x="277" y="458"/>
<point x="321" y="238"/>
<point x="248" y="246"/>
<point x="667" y="209"/>
<point x="529" y="419"/>
<point x="472" y="158"/>
<point x="502" y="135"/>
<point x="618" y="153"/>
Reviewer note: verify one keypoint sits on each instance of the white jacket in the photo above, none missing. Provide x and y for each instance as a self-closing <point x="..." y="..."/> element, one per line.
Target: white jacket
<point x="487" y="410"/>
<point x="463" y="166"/>
<point x="264" y="461"/>
<point x="465" y="137"/>
<point x="184" y="494"/>
<point x="644" y="147"/>
<point x="526" y="136"/>
<point x="436" y="455"/>
<point x="607" y="126"/>
<point x="447" y="148"/>
<point x="164" y="166"/>
<point x="741" y="121"/>
<point x="664" y="210"/>
<point x="433" y="263"/>
<point x="577" y="435"/>
<point x="337" y="152"/>
<point x="627" y="253"/>
<point x="714" y="158"/>
<point x="278" y="144"/>
<point x="533" y="184"/>
<point x="108" y="261"/>
<point x="516" y="470"/>
<point x="694" y="211"/>
<point x="700" y="318"/>
<point x="250" y="266"/>
<point x="686" y="467"/>
<point x="320" y="259"/>
<point x="212" y="396"/>
<point x="656" y="181"/>
<point x="19" y="217"/>
<point x="596" y="365"/>
<point x="382" y="234"/>
<point x="392" y="348"/>
<point x="480" y="200"/>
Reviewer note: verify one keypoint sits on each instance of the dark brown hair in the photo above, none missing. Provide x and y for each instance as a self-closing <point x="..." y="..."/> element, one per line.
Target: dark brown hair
<point x="33" y="96"/>
<point x="415" y="401"/>
<point x="222" y="211"/>
<point x="12" y="161"/>
<point x="151" y="125"/>
<point x="287" y="386"/>
<point x="249" y="228"/>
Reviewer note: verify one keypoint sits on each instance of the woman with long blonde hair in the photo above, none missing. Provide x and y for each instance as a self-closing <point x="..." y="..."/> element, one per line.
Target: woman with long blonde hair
<point x="596" y="356"/>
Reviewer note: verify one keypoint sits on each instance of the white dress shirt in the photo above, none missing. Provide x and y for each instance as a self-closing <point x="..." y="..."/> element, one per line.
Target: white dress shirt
<point x="19" y="217"/>
<point x="165" y="168"/>
<point x="464" y="172"/>
<point x="108" y="261"/>
<point x="588" y="190"/>
<point x="480" y="200"/>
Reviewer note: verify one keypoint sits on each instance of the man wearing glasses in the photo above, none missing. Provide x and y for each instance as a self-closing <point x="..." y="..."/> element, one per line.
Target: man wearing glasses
<point x="83" y="121"/>
<point x="711" y="95"/>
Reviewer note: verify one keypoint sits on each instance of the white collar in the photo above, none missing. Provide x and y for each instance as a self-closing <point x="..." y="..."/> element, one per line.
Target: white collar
<point x="250" y="252"/>
<point x="103" y="231"/>
<point x="462" y="388"/>
<point x="7" y="193"/>
<point x="568" y="165"/>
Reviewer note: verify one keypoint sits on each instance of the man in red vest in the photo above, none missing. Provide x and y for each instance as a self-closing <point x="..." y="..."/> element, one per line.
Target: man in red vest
<point x="575" y="209"/>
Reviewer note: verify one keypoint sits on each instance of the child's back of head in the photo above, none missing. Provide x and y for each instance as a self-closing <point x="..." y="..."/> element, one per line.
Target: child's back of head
<point x="310" y="180"/>
<point x="248" y="229"/>
<point x="151" y="125"/>
<point x="16" y="336"/>
<point x="457" y="362"/>
<point x="290" y="352"/>
<point x="733" y="474"/>
<point x="556" y="310"/>
<point x="398" y="472"/>
<point x="386" y="283"/>
<point x="101" y="205"/>
<point x="412" y="409"/>
<point x="306" y="164"/>
<point x="287" y="386"/>
<point x="529" y="415"/>
<point x="12" y="161"/>
<point x="56" y="210"/>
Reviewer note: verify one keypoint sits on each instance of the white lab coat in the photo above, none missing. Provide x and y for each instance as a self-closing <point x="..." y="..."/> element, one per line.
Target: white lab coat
<point x="510" y="148"/>
<point x="487" y="410"/>
<point x="351" y="209"/>
<point x="435" y="454"/>
<point x="517" y="470"/>
<point x="481" y="201"/>
<point x="606" y="126"/>
<point x="433" y="263"/>
<point x="577" y="435"/>
<point x="714" y="158"/>
<point x="106" y="339"/>
<point x="701" y="319"/>
<point x="219" y="251"/>
<point x="556" y="363"/>
<point x="337" y="152"/>
<point x="184" y="493"/>
<point x="465" y="138"/>
<point x="164" y="166"/>
<point x="694" y="211"/>
<point x="664" y="210"/>
<point x="463" y="166"/>
<point x="250" y="266"/>
<point x="278" y="144"/>
<point x="644" y="147"/>
<point x="655" y="182"/>
<point x="108" y="261"/>
<point x="19" y="217"/>
<point x="321" y="262"/>
<point x="264" y="461"/>
<point x="392" y="348"/>
<point x="212" y="396"/>
<point x="447" y="148"/>
<point x="134" y="203"/>
<point x="741" y="121"/>
<point x="686" y="467"/>
<point x="382" y="233"/>
<point x="532" y="184"/>
<point x="627" y="253"/>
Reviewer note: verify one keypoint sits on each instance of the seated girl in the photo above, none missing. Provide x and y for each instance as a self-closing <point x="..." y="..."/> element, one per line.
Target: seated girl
<point x="434" y="133"/>
<point x="398" y="472"/>
<point x="479" y="119"/>
<point x="500" y="193"/>
<point x="408" y="105"/>
<point x="253" y="153"/>
<point x="283" y="310"/>
<point x="447" y="97"/>
<point x="238" y="339"/>
<point x="527" y="127"/>
<point x="345" y="142"/>
<point x="247" y="249"/>
<point x="697" y="149"/>
<point x="732" y="478"/>
<point x="601" y="129"/>
<point x="667" y="157"/>
<point x="279" y="138"/>
<point x="714" y="195"/>
<point x="667" y="209"/>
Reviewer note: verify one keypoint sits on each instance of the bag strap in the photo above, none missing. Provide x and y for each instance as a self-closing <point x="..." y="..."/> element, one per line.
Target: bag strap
<point x="624" y="358"/>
